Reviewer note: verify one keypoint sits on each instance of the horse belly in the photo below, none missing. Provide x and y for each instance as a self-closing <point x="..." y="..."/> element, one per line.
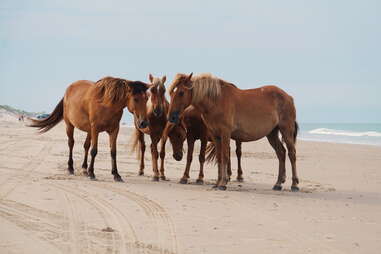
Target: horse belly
<point x="80" y="121"/>
<point x="255" y="128"/>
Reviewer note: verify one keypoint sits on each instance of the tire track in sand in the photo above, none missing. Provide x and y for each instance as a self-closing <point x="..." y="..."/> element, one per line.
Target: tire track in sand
<point x="38" y="223"/>
<point x="124" y="238"/>
<point x="156" y="213"/>
<point x="32" y="165"/>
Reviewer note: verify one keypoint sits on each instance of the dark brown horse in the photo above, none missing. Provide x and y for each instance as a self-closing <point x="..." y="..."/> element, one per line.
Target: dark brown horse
<point x="244" y="115"/>
<point x="196" y="129"/>
<point x="157" y="109"/>
<point x="94" y="108"/>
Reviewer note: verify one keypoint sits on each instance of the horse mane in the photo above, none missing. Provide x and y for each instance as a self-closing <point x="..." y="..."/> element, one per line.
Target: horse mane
<point x="203" y="85"/>
<point x="157" y="82"/>
<point x="111" y="90"/>
<point x="115" y="90"/>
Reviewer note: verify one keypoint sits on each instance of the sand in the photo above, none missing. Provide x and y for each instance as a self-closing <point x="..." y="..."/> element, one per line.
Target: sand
<point x="44" y="210"/>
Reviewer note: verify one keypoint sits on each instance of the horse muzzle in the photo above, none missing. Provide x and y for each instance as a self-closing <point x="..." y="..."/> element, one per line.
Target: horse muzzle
<point x="178" y="156"/>
<point x="157" y="112"/>
<point x="143" y="124"/>
<point x="174" y="117"/>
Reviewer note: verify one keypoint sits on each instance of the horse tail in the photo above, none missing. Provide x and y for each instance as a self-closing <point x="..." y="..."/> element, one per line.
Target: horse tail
<point x="211" y="152"/>
<point x="54" y="118"/>
<point x="296" y="130"/>
<point x="136" y="144"/>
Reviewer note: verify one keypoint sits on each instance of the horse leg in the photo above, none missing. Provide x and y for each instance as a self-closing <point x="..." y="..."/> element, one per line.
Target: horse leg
<point x="201" y="159"/>
<point x="155" y="155"/>
<point x="113" y="135"/>
<point x="280" y="151"/>
<point x="93" y="152"/>
<point x="225" y="158"/>
<point x="142" y="151"/>
<point x="70" y="136"/>
<point x="288" y="136"/>
<point x="86" y="146"/>
<point x="162" y="157"/>
<point x="238" y="152"/>
<point x="190" y="142"/>
<point x="223" y="148"/>
<point x="229" y="167"/>
<point x="217" y="141"/>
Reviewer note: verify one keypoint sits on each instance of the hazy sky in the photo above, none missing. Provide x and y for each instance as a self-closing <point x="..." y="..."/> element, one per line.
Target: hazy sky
<point x="325" y="53"/>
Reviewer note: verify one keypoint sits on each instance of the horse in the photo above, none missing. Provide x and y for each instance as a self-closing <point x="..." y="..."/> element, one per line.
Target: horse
<point x="244" y="115"/>
<point x="94" y="108"/>
<point x="196" y="129"/>
<point x="157" y="108"/>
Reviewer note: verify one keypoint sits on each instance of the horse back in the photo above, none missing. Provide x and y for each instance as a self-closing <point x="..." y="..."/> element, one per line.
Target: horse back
<point x="256" y="112"/>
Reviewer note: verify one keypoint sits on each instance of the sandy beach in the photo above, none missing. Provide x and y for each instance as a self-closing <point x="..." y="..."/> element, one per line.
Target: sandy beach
<point x="44" y="210"/>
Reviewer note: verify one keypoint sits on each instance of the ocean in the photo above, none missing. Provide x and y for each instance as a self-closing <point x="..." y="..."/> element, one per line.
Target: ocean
<point x="350" y="133"/>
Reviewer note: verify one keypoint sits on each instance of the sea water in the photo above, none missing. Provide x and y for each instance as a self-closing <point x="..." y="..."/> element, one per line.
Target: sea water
<point x="352" y="133"/>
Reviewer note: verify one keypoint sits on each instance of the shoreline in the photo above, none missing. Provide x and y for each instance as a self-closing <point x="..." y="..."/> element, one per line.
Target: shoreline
<point x="337" y="142"/>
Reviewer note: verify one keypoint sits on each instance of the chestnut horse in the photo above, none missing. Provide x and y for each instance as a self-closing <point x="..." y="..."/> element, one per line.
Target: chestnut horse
<point x="244" y="115"/>
<point x="157" y="109"/>
<point x="94" y="108"/>
<point x="196" y="129"/>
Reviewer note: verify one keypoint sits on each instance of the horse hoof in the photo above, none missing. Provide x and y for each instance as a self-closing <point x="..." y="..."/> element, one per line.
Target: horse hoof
<point x="141" y="173"/>
<point x="200" y="181"/>
<point x="214" y="186"/>
<point x="71" y="172"/>
<point x="155" y="179"/>
<point x="118" y="179"/>
<point x="294" y="188"/>
<point x="239" y="179"/>
<point x="183" y="181"/>
<point x="85" y="173"/>
<point x="92" y="177"/>
<point x="163" y="178"/>
<point x="277" y="187"/>
<point x="222" y="188"/>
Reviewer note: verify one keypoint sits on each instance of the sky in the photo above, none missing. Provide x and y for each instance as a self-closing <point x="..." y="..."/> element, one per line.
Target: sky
<point x="326" y="54"/>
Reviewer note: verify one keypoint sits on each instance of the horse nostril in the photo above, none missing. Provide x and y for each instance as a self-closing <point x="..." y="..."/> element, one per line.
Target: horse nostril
<point x="157" y="111"/>
<point x="177" y="156"/>
<point x="143" y="124"/>
<point x="173" y="118"/>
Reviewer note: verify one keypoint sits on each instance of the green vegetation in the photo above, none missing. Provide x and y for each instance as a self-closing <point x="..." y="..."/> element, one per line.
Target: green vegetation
<point x="18" y="111"/>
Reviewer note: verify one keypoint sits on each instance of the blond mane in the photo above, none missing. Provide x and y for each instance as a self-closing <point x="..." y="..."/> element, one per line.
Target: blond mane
<point x="111" y="90"/>
<point x="203" y="85"/>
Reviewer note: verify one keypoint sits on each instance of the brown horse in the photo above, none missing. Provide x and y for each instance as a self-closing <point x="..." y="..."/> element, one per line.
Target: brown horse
<point x="157" y="109"/>
<point x="94" y="108"/>
<point x="196" y="129"/>
<point x="244" y="115"/>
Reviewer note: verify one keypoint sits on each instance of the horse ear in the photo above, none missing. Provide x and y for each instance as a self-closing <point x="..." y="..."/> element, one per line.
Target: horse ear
<point x="148" y="86"/>
<point x="150" y="77"/>
<point x="163" y="79"/>
<point x="189" y="85"/>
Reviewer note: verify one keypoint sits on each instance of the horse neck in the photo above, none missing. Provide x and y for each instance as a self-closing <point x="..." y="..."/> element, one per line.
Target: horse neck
<point x="206" y="105"/>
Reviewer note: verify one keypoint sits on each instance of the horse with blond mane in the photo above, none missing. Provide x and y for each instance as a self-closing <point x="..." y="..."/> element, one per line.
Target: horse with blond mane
<point x="244" y="115"/>
<point x="94" y="108"/>
<point x="157" y="109"/>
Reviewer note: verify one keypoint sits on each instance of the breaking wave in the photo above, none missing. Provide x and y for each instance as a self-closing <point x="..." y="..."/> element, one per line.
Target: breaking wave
<point x="325" y="131"/>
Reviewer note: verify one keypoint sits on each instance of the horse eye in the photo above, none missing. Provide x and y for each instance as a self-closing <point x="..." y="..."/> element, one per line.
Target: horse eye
<point x="135" y="100"/>
<point x="181" y="93"/>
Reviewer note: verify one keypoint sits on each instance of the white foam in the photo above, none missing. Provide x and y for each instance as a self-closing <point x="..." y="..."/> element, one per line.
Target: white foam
<point x="325" y="131"/>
